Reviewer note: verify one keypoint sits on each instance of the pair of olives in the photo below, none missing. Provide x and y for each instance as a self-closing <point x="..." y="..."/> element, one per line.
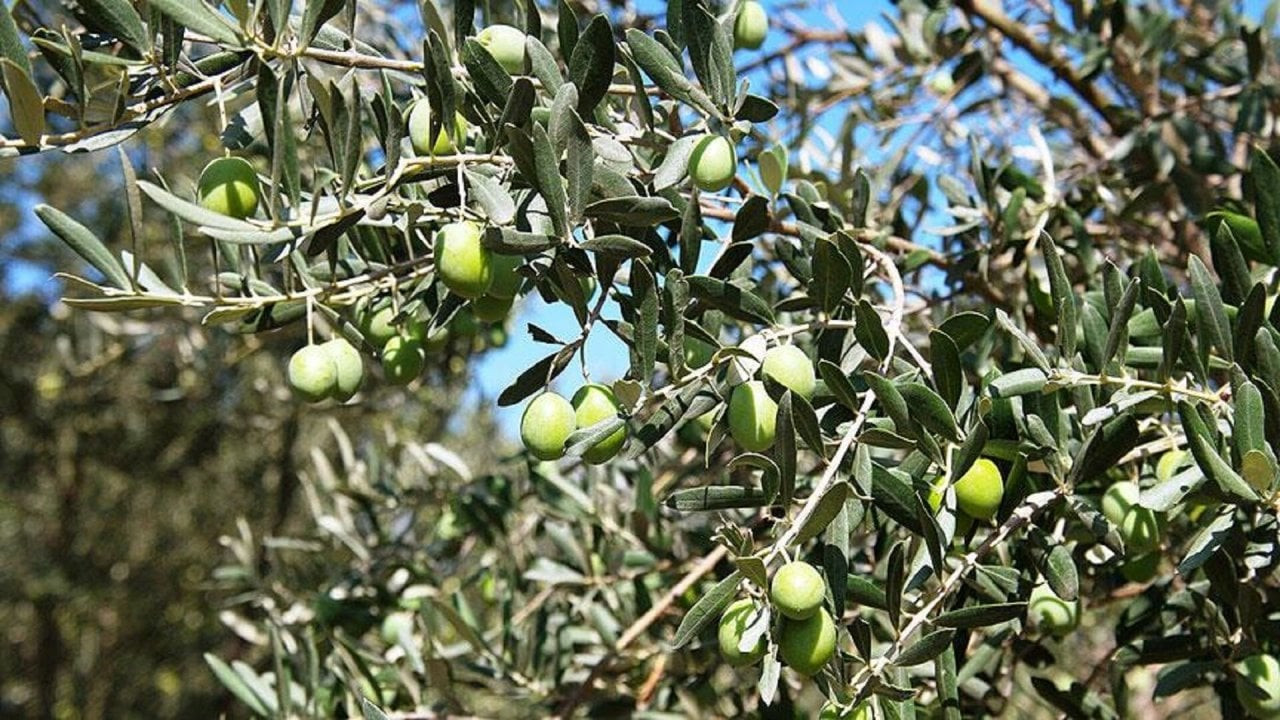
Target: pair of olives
<point x="752" y="412"/>
<point x="329" y="370"/>
<point x="549" y="419"/>
<point x="806" y="634"/>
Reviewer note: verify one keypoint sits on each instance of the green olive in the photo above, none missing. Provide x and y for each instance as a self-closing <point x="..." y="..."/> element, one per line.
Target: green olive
<point x="1140" y="529"/>
<point x="506" y="45"/>
<point x="1118" y="499"/>
<point x="420" y="131"/>
<point x="713" y="163"/>
<point x="463" y="263"/>
<point x="593" y="404"/>
<point x="402" y="359"/>
<point x="1170" y="463"/>
<point x="547" y="422"/>
<point x="312" y="374"/>
<point x="980" y="490"/>
<point x="377" y="325"/>
<point x="751" y="26"/>
<point x="1258" y="686"/>
<point x="806" y="645"/>
<point x="797" y="590"/>
<point x="490" y="309"/>
<point x="1051" y="614"/>
<point x="1142" y="569"/>
<point x="790" y="367"/>
<point x="506" y="280"/>
<point x="349" y="365"/>
<point x="733" y="625"/>
<point x="229" y="186"/>
<point x="753" y="417"/>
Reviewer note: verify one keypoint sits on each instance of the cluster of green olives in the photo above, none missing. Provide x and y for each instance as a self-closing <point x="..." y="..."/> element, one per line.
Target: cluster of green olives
<point x="1140" y="528"/>
<point x="469" y="269"/>
<point x="805" y="632"/>
<point x="753" y="414"/>
<point x="333" y="369"/>
<point x="549" y="419"/>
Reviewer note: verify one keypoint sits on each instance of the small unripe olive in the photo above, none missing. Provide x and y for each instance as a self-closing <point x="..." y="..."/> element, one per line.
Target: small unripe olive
<point x="229" y="186"/>
<point x="506" y="45"/>
<point x="697" y="353"/>
<point x="397" y="628"/>
<point x="349" y="365"/>
<point x="547" y="422"/>
<point x="463" y="263"/>
<point x="1258" y="686"/>
<point x="490" y="309"/>
<point x="1169" y="464"/>
<point x="593" y="404"/>
<point x="1140" y="529"/>
<point x="1051" y="614"/>
<point x="376" y="325"/>
<point x="1142" y="569"/>
<point x="420" y="131"/>
<point x="831" y="711"/>
<point x="402" y="359"/>
<point x="506" y="281"/>
<point x="790" y="367"/>
<point x="753" y="416"/>
<point x="980" y="490"/>
<point x="806" y="645"/>
<point x="1118" y="499"/>
<point x="312" y="374"/>
<point x="713" y="163"/>
<point x="751" y="26"/>
<point x="733" y="624"/>
<point x="797" y="590"/>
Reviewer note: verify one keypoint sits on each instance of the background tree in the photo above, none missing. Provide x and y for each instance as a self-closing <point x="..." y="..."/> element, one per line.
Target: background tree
<point x="986" y="233"/>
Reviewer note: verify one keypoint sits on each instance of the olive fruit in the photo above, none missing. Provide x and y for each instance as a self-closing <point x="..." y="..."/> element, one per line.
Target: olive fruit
<point x="491" y="309"/>
<point x="806" y="645"/>
<point x="831" y="711"/>
<point x="1118" y="499"/>
<point x="506" y="281"/>
<point x="1258" y="685"/>
<point x="229" y="186"/>
<point x="753" y="416"/>
<point x="463" y="263"/>
<point x="980" y="490"/>
<point x="797" y="590"/>
<point x="713" y="163"/>
<point x="751" y="26"/>
<point x="403" y="359"/>
<point x="349" y="365"/>
<point x="377" y="326"/>
<point x="312" y="374"/>
<point x="1142" y="569"/>
<point x="733" y="625"/>
<point x="1169" y="464"/>
<point x="420" y="131"/>
<point x="397" y="628"/>
<point x="593" y="404"/>
<point x="1051" y="614"/>
<point x="547" y="422"/>
<point x="697" y="353"/>
<point x="1140" y="529"/>
<point x="790" y="367"/>
<point x="506" y="45"/>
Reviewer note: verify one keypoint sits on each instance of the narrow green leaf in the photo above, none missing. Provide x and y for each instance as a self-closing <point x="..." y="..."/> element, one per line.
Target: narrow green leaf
<point x="1064" y="297"/>
<point x="1201" y="441"/>
<point x="196" y="15"/>
<point x="85" y="244"/>
<point x="930" y="410"/>
<point x="716" y="497"/>
<point x="1265" y="177"/>
<point x="981" y="615"/>
<point x="829" y="506"/>
<point x="831" y="273"/>
<point x="926" y="648"/>
<point x="707" y="609"/>
<point x="869" y="330"/>
<point x="26" y="107"/>
<point x="1212" y="326"/>
<point x="591" y="64"/>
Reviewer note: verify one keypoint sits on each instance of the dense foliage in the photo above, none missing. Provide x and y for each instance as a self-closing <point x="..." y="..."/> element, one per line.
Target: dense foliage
<point x="953" y="377"/>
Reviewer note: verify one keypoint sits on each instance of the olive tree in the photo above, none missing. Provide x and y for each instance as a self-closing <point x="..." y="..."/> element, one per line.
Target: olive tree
<point x="953" y="362"/>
